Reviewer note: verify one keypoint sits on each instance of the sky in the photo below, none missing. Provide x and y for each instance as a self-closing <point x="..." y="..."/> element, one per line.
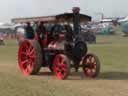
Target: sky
<point x="28" y="8"/>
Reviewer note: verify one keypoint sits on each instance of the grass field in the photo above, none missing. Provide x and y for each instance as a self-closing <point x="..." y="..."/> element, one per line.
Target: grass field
<point x="112" y="81"/>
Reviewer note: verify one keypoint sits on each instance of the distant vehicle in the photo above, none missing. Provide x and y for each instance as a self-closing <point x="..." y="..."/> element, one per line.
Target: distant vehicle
<point x="104" y="28"/>
<point x="88" y="34"/>
<point x="124" y="25"/>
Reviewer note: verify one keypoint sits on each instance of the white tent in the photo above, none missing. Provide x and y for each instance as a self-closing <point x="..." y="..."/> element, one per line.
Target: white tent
<point x="124" y="20"/>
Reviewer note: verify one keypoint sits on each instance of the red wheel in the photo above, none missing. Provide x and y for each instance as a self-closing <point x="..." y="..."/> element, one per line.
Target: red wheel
<point x="61" y="66"/>
<point x="91" y="65"/>
<point x="29" y="57"/>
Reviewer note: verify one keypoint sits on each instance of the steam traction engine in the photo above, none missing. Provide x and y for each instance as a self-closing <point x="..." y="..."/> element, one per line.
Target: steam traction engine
<point x="60" y="57"/>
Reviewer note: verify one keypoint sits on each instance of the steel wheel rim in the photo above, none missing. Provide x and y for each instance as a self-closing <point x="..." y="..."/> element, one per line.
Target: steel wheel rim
<point x="26" y="57"/>
<point x="60" y="68"/>
<point x="89" y="66"/>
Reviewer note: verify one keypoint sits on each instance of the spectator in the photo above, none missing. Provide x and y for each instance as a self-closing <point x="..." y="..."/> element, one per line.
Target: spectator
<point x="20" y="34"/>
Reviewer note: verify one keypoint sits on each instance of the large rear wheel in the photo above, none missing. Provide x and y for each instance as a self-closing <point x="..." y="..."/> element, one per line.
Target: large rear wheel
<point x="29" y="57"/>
<point x="91" y="65"/>
<point x="61" y="66"/>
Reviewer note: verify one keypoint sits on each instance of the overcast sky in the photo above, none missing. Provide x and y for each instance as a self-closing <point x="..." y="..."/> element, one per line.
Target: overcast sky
<point x="27" y="8"/>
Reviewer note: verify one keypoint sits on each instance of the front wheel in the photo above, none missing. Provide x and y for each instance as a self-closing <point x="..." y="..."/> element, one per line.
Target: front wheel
<point x="61" y="66"/>
<point x="91" y="65"/>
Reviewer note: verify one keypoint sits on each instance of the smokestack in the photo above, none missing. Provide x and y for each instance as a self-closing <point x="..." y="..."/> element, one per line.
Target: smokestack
<point x="76" y="20"/>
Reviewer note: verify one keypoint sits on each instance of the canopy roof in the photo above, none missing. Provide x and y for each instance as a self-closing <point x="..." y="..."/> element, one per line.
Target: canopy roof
<point x="65" y="17"/>
<point x="69" y="17"/>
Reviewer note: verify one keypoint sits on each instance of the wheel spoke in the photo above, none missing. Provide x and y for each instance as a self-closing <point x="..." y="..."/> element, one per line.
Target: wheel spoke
<point x="93" y="70"/>
<point x="63" y="70"/>
<point x="93" y="60"/>
<point x="23" y="53"/>
<point x="63" y="67"/>
<point x="90" y="72"/>
<point x="88" y="60"/>
<point x="63" y="73"/>
<point x="26" y="45"/>
<point x="29" y="66"/>
<point x="94" y="66"/>
<point x="29" y="61"/>
<point x="58" y="70"/>
<point x="25" y="61"/>
<point x="87" y="71"/>
<point x="30" y="49"/>
<point x="32" y="57"/>
<point x="27" y="70"/>
<point x="31" y="52"/>
<point x="61" y="61"/>
<point x="57" y="60"/>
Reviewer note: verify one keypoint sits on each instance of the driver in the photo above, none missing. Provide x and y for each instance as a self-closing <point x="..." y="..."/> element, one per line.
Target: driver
<point x="29" y="31"/>
<point x="41" y="31"/>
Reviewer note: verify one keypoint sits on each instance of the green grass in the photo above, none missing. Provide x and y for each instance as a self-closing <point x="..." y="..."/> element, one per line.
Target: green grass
<point x="112" y="81"/>
<point x="113" y="53"/>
